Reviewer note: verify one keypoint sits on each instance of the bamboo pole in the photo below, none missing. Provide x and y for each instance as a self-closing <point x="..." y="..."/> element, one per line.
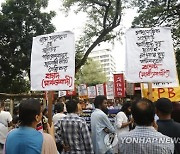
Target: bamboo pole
<point x="50" y="107"/>
<point x="150" y="90"/>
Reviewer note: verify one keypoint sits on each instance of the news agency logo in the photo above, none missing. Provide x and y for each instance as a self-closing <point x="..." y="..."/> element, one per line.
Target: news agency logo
<point x="111" y="140"/>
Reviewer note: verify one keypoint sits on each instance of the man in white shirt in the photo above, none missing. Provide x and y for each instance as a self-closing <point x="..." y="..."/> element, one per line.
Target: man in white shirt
<point x="5" y="122"/>
<point x="59" y="112"/>
<point x="101" y="126"/>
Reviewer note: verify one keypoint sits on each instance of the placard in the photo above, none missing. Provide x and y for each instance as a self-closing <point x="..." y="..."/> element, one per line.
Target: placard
<point x="150" y="55"/>
<point x="53" y="62"/>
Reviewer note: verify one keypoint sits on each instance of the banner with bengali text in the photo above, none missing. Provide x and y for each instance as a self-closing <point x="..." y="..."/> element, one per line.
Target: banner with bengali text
<point x="150" y="55"/>
<point x="53" y="62"/>
<point x="119" y="85"/>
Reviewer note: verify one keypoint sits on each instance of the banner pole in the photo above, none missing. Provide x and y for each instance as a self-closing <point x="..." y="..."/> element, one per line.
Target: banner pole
<point x="50" y="107"/>
<point x="150" y="90"/>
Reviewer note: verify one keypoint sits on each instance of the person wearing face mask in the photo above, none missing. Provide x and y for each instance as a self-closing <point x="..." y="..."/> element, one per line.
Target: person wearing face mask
<point x="100" y="126"/>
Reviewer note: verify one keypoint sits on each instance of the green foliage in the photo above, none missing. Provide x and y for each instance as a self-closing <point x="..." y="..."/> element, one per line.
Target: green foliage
<point x="103" y="16"/>
<point x="91" y="74"/>
<point x="20" y="21"/>
<point x="161" y="13"/>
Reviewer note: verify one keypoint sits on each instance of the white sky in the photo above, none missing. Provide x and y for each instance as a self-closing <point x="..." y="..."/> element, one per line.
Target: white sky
<point x="75" y="23"/>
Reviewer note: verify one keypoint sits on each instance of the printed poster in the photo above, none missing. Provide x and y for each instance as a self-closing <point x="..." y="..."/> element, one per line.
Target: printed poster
<point x="91" y="91"/>
<point x="110" y="90"/>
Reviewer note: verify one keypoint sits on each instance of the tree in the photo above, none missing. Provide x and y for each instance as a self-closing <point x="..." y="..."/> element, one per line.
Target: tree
<point x="103" y="17"/>
<point x="161" y="13"/>
<point x="91" y="74"/>
<point x="20" y="21"/>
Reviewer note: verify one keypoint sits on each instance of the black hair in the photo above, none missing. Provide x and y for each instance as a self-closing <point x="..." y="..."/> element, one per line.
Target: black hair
<point x="59" y="107"/>
<point x="28" y="109"/>
<point x="164" y="105"/>
<point x="99" y="100"/>
<point x="143" y="112"/>
<point x="71" y="106"/>
<point x="125" y="106"/>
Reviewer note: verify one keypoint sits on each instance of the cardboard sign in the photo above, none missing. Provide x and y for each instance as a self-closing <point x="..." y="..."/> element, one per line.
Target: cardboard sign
<point x="150" y="55"/>
<point x="53" y="62"/>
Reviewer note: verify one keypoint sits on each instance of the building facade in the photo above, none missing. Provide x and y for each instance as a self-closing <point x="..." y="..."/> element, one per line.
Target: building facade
<point x="105" y="57"/>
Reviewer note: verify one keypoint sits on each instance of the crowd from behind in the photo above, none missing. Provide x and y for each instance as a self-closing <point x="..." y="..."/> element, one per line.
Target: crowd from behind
<point x="135" y="130"/>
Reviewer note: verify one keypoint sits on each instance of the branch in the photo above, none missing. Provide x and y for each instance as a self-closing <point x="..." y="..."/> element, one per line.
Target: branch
<point x="99" y="3"/>
<point x="106" y="14"/>
<point x="115" y="23"/>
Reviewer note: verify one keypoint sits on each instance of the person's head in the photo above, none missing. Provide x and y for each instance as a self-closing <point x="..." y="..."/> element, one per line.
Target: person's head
<point x="30" y="112"/>
<point x="71" y="106"/>
<point x="100" y="102"/>
<point x="143" y="112"/>
<point x="163" y="106"/>
<point x="126" y="108"/>
<point x="59" y="107"/>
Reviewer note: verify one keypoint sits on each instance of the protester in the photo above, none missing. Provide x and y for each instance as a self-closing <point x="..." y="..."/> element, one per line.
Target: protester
<point x="166" y="125"/>
<point x="100" y="126"/>
<point x="122" y="121"/>
<point x="5" y="122"/>
<point x="26" y="139"/>
<point x="73" y="132"/>
<point x="59" y="112"/>
<point x="145" y="139"/>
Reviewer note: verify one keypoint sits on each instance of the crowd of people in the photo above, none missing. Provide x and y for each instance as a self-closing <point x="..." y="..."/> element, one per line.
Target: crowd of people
<point x="140" y="127"/>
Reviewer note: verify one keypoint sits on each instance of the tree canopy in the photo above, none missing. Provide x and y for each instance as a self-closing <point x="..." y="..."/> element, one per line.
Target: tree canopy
<point x="20" y="21"/>
<point x="161" y="13"/>
<point x="91" y="73"/>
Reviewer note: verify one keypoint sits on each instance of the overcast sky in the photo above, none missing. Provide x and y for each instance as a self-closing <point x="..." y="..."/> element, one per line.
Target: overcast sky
<point x="75" y="23"/>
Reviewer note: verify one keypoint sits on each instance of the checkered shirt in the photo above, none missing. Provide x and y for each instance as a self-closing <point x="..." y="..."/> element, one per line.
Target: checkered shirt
<point x="145" y="140"/>
<point x="72" y="130"/>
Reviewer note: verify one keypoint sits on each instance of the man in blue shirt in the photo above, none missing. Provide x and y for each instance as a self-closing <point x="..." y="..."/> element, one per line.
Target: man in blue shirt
<point x="26" y="139"/>
<point x="100" y="126"/>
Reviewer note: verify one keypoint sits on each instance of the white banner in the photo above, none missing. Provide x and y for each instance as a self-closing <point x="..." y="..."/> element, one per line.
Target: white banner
<point x="110" y="90"/>
<point x="91" y="92"/>
<point x="150" y="55"/>
<point x="100" y="89"/>
<point x="53" y="62"/>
